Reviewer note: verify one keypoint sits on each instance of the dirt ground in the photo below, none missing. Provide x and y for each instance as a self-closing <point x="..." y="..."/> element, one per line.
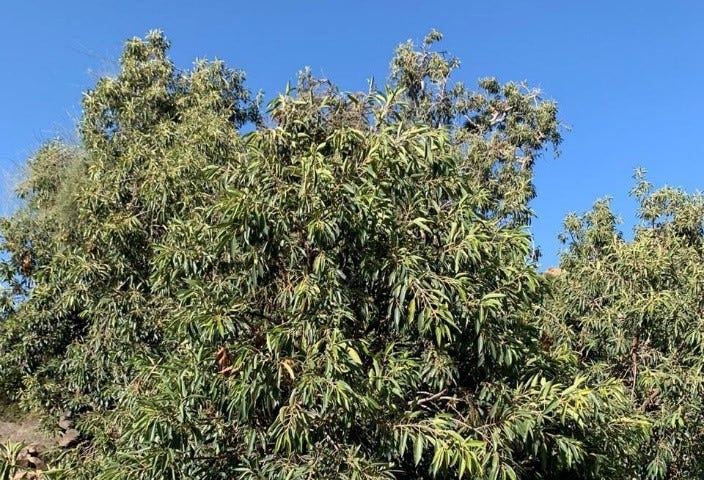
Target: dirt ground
<point x="25" y="430"/>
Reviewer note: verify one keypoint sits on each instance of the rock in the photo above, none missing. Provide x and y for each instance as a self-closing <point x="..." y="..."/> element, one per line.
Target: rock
<point x="65" y="423"/>
<point x="36" y="462"/>
<point x="29" y="458"/>
<point x="22" y="459"/>
<point x="25" y="475"/>
<point x="70" y="438"/>
<point x="34" y="449"/>
<point x="553" y="272"/>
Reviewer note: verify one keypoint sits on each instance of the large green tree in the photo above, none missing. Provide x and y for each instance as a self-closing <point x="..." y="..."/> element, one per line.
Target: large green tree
<point x="632" y="310"/>
<point x="94" y="213"/>
<point x="344" y="292"/>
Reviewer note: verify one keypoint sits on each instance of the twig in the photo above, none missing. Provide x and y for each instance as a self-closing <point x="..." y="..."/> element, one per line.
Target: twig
<point x="432" y="397"/>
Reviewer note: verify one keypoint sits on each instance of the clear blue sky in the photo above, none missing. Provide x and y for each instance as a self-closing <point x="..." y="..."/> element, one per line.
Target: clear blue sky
<point x="627" y="75"/>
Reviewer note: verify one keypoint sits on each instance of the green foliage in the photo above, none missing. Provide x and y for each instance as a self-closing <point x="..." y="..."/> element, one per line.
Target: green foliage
<point x="9" y="453"/>
<point x="346" y="291"/>
<point x="93" y="310"/>
<point x="632" y="311"/>
<point x="356" y="296"/>
<point x="502" y="128"/>
<point x="30" y="239"/>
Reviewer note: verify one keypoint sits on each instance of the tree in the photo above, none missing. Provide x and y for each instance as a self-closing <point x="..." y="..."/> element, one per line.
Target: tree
<point x="30" y="238"/>
<point x="632" y="310"/>
<point x="345" y="293"/>
<point x="90" y="224"/>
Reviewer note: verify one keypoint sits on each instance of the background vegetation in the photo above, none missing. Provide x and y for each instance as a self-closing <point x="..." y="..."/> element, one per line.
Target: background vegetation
<point x="342" y="285"/>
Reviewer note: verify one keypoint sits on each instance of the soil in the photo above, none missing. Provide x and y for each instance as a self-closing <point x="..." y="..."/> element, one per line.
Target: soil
<point x="26" y="431"/>
<point x="16" y="426"/>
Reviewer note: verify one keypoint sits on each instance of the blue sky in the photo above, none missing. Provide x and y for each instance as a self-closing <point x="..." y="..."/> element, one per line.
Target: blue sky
<point x="627" y="75"/>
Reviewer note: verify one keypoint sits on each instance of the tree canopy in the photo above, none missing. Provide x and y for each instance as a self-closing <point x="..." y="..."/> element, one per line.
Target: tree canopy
<point x="342" y="285"/>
